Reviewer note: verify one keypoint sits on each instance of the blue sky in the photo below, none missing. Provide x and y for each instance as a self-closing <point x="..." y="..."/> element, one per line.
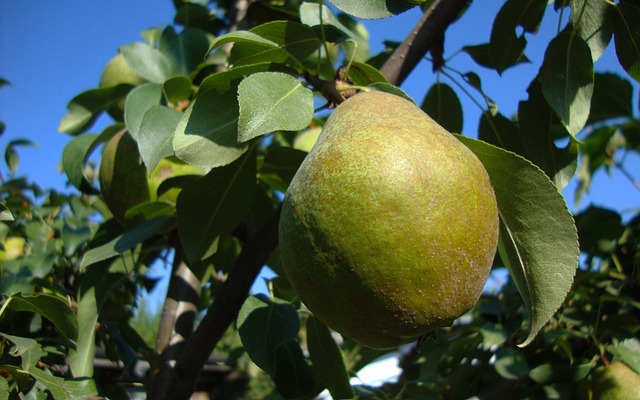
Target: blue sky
<point x="51" y="51"/>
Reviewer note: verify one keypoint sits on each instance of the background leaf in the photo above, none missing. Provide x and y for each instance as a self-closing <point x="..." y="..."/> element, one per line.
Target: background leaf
<point x="272" y="101"/>
<point x="54" y="309"/>
<point x="566" y="75"/>
<point x="506" y="48"/>
<point x="327" y="360"/>
<point x="627" y="37"/>
<point x="27" y="349"/>
<point x="442" y="104"/>
<point x="74" y="156"/>
<point x="64" y="389"/>
<point x="538" y="238"/>
<point x="214" y="205"/>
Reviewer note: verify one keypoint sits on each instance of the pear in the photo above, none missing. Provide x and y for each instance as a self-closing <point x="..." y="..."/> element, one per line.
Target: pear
<point x="125" y="181"/>
<point x="616" y="381"/>
<point x="117" y="72"/>
<point x="389" y="227"/>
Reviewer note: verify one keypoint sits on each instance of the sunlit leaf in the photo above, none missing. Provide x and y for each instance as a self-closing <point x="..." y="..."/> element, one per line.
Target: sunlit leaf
<point x="27" y="349"/>
<point x="374" y="9"/>
<point x="64" y="389"/>
<point x="207" y="133"/>
<point x="594" y="22"/>
<point x="148" y="62"/>
<point x="177" y="89"/>
<point x="86" y="107"/>
<point x="272" y="101"/>
<point x="183" y="51"/>
<point x="566" y="75"/>
<point x="155" y="137"/>
<point x="538" y="238"/>
<point x="141" y="99"/>
<point x="294" y="42"/>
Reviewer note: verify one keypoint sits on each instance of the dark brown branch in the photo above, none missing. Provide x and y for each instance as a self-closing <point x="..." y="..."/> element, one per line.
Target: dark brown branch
<point x="428" y="31"/>
<point x="224" y="310"/>
<point x="176" y="325"/>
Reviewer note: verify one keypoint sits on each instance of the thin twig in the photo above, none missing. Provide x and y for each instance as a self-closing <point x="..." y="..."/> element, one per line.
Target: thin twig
<point x="428" y="31"/>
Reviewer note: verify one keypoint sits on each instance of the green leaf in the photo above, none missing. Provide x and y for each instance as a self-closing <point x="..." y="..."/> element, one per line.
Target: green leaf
<point x="225" y="80"/>
<point x="566" y="75"/>
<point x="594" y="22"/>
<point x="27" y="349"/>
<point x="511" y="363"/>
<point x="612" y="98"/>
<point x="86" y="107"/>
<point x="500" y="131"/>
<point x="506" y="47"/>
<point x="184" y="51"/>
<point x="248" y="37"/>
<point x="155" y="137"/>
<point x="148" y="62"/>
<point x="264" y="324"/>
<point x="74" y="157"/>
<point x="293" y="377"/>
<point x="177" y="89"/>
<point x="215" y="205"/>
<point x="207" y="134"/>
<point x="65" y="389"/>
<point x="537" y="127"/>
<point x="141" y="99"/>
<point x="272" y="101"/>
<point x="628" y="351"/>
<point x="294" y="42"/>
<point x="11" y="155"/>
<point x="327" y="360"/>
<point x="73" y="238"/>
<point x="5" y="213"/>
<point x="140" y="233"/>
<point x="538" y="238"/>
<point x="442" y="104"/>
<point x="52" y="308"/>
<point x="311" y="15"/>
<point x="364" y="74"/>
<point x="375" y="9"/>
<point x="389" y="88"/>
<point x="627" y="38"/>
<point x="283" y="162"/>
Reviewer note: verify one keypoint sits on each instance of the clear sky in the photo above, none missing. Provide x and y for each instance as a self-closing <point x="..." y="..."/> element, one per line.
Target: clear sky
<point x="51" y="51"/>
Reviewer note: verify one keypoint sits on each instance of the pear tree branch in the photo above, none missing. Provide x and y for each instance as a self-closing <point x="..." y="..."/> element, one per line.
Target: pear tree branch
<point x="224" y="309"/>
<point x="427" y="32"/>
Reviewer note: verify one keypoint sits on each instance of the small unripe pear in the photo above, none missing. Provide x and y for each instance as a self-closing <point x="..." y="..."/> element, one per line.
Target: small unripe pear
<point x="616" y="381"/>
<point x="390" y="226"/>
<point x="125" y="181"/>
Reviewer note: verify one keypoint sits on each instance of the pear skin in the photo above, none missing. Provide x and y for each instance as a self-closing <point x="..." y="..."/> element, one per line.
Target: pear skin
<point x="390" y="226"/>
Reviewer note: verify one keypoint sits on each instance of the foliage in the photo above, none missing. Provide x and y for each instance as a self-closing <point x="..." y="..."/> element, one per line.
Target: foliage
<point x="243" y="92"/>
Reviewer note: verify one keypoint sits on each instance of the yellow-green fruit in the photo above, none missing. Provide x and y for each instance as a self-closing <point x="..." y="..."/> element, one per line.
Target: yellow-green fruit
<point x="616" y="381"/>
<point x="390" y="226"/>
<point x="118" y="72"/>
<point x="124" y="180"/>
<point x="14" y="247"/>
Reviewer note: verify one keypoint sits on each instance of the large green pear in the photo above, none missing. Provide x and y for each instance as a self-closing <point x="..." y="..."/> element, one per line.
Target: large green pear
<point x="390" y="226"/>
<point x="616" y="381"/>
